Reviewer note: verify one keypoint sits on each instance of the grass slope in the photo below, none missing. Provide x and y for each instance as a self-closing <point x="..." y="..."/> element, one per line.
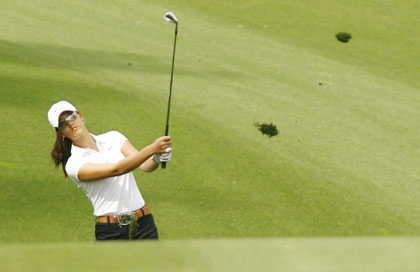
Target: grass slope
<point x="345" y="162"/>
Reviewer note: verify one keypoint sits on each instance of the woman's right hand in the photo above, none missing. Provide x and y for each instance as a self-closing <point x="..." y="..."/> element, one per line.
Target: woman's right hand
<point x="161" y="144"/>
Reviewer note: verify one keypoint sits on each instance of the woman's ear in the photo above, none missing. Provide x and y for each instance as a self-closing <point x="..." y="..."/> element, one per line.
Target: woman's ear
<point x="59" y="133"/>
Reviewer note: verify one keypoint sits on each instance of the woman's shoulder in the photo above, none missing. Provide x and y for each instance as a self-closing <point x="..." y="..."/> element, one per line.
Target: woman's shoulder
<point x="112" y="135"/>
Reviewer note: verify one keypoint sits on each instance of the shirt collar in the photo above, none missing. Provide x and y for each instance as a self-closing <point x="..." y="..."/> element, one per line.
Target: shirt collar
<point x="75" y="150"/>
<point x="97" y="139"/>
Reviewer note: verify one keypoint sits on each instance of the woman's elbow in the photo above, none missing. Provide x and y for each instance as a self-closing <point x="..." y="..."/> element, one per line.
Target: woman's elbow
<point x="116" y="170"/>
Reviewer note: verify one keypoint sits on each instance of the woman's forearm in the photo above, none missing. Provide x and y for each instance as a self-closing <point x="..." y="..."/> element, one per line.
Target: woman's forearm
<point x="149" y="165"/>
<point x="133" y="161"/>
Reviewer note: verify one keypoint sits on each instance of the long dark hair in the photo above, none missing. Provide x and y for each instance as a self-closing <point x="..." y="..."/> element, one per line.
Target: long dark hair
<point x="61" y="151"/>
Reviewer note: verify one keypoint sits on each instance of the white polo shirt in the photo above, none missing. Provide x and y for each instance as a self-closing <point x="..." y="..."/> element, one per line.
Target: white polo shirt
<point x="113" y="195"/>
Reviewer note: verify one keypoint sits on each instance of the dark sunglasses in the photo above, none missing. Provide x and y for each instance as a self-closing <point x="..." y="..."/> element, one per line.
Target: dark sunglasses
<point x="69" y="118"/>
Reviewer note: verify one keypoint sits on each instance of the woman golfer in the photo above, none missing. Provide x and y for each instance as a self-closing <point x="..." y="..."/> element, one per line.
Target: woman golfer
<point x="101" y="166"/>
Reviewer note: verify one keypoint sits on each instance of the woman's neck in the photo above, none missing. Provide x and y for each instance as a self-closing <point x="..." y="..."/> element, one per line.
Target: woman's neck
<point x="86" y="141"/>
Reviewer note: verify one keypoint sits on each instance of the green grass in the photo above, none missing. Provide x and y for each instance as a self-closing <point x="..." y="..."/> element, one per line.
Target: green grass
<point x="345" y="162"/>
<point x="293" y="254"/>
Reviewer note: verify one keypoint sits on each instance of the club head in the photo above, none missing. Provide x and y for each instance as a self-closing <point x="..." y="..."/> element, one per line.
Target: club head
<point x="170" y="17"/>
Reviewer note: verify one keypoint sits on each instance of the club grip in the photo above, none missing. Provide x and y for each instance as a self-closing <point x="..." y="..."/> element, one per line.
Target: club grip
<point x="163" y="164"/>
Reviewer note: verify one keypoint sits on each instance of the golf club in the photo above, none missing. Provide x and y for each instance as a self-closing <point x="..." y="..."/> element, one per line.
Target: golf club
<point x="170" y="17"/>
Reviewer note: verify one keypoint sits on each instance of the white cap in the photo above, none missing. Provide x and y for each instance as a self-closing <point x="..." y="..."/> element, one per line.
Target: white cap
<point x="56" y="110"/>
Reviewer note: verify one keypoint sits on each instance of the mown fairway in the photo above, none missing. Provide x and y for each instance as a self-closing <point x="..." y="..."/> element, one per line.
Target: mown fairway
<point x="290" y="254"/>
<point x="345" y="162"/>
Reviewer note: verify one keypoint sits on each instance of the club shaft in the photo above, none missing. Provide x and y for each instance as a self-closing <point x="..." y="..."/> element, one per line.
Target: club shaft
<point x="170" y="85"/>
<point x="170" y="90"/>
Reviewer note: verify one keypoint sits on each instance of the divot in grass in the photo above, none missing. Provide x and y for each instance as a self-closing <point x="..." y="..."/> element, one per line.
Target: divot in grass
<point x="267" y="129"/>
<point x="343" y="37"/>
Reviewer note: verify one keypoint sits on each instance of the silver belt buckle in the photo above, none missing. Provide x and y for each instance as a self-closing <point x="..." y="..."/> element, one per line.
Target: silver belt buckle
<point x="125" y="218"/>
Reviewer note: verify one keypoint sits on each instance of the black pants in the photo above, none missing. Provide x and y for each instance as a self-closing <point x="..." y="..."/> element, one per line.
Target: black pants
<point x="145" y="229"/>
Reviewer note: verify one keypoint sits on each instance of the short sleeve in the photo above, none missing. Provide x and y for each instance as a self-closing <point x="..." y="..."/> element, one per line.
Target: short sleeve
<point x="72" y="168"/>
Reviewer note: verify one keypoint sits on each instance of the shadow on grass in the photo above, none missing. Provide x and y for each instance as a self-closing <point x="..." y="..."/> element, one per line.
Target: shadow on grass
<point x="32" y="93"/>
<point x="59" y="57"/>
<point x="70" y="58"/>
